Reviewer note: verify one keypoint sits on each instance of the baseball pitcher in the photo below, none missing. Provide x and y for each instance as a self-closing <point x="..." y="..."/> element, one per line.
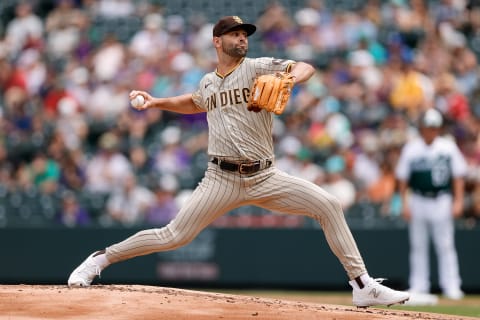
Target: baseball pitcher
<point x="240" y="98"/>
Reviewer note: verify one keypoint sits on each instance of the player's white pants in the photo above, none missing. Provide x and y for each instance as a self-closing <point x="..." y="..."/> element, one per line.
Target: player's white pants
<point x="221" y="191"/>
<point x="432" y="219"/>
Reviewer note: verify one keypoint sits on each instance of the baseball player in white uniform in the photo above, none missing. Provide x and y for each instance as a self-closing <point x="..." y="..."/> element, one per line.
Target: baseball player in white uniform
<point x="430" y="172"/>
<point x="241" y="170"/>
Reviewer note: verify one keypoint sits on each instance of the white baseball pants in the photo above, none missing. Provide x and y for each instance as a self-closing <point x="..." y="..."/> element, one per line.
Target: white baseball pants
<point x="432" y="219"/>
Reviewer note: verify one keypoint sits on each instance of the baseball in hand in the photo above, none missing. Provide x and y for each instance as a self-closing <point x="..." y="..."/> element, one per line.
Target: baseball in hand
<point x="138" y="101"/>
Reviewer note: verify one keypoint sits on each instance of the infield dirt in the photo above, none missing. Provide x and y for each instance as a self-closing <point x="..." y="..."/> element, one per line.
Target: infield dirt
<point x="99" y="302"/>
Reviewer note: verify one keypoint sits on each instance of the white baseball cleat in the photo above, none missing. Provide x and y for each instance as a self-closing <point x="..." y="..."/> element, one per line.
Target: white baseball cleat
<point x="374" y="293"/>
<point x="455" y="294"/>
<point x="84" y="274"/>
<point x="421" y="299"/>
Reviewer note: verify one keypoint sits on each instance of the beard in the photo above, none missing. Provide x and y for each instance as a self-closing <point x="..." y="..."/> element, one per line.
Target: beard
<point x="235" y="52"/>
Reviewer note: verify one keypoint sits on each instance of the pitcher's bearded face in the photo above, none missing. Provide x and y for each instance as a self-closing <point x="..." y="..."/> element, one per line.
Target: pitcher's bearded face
<point x="235" y="44"/>
<point x="234" y="50"/>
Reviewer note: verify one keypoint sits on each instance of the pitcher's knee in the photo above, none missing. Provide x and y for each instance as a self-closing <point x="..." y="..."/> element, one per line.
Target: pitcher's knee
<point x="179" y="238"/>
<point x="330" y="205"/>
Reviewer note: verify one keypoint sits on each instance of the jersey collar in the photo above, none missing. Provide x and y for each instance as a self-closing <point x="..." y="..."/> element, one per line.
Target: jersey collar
<point x="229" y="72"/>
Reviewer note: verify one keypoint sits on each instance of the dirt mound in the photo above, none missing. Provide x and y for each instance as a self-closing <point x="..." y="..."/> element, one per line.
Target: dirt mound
<point x="148" y="302"/>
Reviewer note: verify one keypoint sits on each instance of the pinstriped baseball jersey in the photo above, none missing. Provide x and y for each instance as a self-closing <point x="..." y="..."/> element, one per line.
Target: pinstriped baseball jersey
<point x="234" y="132"/>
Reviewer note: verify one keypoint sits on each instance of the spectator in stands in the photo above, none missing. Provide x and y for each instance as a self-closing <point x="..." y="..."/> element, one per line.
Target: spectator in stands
<point x="129" y="202"/>
<point x="358" y="28"/>
<point x="34" y="69"/>
<point x="297" y="160"/>
<point x="109" y="99"/>
<point x="362" y="67"/>
<point x="13" y="85"/>
<point x="141" y="163"/>
<point x="77" y="84"/>
<point x="338" y="127"/>
<point x="366" y="166"/>
<point x="63" y="26"/>
<point x="25" y="30"/>
<point x="336" y="183"/>
<point x="308" y="169"/>
<point x="165" y="205"/>
<point x="465" y="68"/>
<point x="276" y="27"/>
<point x="109" y="59"/>
<point x="175" y="26"/>
<point x="152" y="35"/>
<point x="287" y="160"/>
<point x="7" y="181"/>
<point x="111" y="9"/>
<point x="45" y="173"/>
<point x="108" y="168"/>
<point x="181" y="66"/>
<point x="133" y="130"/>
<point x="473" y="200"/>
<point x="172" y="157"/>
<point x="412" y="20"/>
<point x="71" y="214"/>
<point x="432" y="57"/>
<point x="305" y="45"/>
<point x="72" y="170"/>
<point x="412" y="91"/>
<point x="52" y="92"/>
<point x="453" y="104"/>
<point x="382" y="191"/>
<point x="332" y="34"/>
<point x="71" y="123"/>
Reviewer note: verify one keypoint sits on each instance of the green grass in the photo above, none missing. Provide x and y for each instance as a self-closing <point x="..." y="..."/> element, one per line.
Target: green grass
<point x="467" y="307"/>
<point x="458" y="309"/>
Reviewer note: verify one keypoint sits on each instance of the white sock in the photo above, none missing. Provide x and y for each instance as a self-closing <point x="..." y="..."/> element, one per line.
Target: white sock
<point x="101" y="260"/>
<point x="365" y="280"/>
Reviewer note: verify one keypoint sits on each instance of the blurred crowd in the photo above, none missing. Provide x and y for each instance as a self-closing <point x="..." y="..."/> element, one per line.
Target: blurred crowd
<point x="67" y="128"/>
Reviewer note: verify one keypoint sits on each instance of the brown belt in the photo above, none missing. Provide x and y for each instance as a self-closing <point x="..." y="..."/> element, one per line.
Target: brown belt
<point x="243" y="168"/>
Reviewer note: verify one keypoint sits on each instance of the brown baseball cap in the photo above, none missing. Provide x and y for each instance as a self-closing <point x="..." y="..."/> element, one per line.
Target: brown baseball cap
<point x="229" y="23"/>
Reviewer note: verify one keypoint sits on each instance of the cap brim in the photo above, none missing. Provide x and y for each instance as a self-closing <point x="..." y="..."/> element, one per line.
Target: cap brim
<point x="249" y="28"/>
<point x="431" y="124"/>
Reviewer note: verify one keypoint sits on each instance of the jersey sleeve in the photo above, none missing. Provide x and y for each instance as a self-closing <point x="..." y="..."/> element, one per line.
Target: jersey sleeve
<point x="197" y="99"/>
<point x="459" y="164"/>
<point x="197" y="96"/>
<point x="266" y="65"/>
<point x="402" y="171"/>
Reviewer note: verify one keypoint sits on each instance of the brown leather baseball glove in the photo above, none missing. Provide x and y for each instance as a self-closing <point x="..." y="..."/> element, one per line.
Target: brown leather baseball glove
<point x="271" y="92"/>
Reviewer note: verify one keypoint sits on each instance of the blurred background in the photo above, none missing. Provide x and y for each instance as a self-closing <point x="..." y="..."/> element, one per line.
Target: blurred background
<point x="80" y="169"/>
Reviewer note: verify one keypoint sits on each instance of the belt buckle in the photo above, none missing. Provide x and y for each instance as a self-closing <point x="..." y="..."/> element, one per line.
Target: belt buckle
<point x="244" y="168"/>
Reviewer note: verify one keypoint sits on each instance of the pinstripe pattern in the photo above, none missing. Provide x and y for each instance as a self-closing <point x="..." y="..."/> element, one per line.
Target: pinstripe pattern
<point x="221" y="191"/>
<point x="238" y="134"/>
<point x="235" y="132"/>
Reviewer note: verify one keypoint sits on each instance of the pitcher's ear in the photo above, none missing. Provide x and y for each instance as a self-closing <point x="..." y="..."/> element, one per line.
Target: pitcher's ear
<point x="217" y="42"/>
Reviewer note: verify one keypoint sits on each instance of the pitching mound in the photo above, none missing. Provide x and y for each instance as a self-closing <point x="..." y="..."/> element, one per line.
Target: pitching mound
<point x="146" y="302"/>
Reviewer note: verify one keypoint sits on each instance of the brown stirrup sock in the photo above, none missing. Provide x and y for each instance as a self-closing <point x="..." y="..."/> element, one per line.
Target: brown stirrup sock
<point x="359" y="282"/>
<point x="99" y="252"/>
<point x="100" y="259"/>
